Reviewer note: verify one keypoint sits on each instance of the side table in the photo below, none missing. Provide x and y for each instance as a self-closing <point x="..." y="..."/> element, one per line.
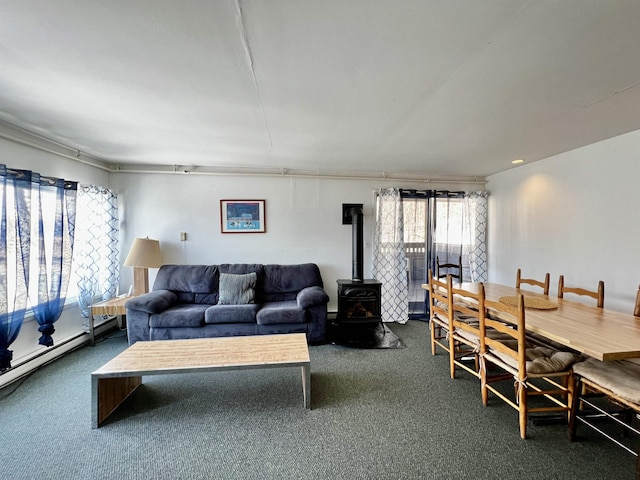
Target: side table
<point x="113" y="306"/>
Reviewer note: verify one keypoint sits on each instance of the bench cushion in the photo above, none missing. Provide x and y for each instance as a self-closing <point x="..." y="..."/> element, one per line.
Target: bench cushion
<point x="540" y="360"/>
<point x="621" y="377"/>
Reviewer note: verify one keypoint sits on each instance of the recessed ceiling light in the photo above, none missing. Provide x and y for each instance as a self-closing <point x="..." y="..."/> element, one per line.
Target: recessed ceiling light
<point x="515" y="162"/>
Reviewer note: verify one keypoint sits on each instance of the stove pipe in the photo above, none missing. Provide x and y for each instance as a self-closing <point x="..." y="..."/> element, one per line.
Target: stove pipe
<point x="356" y="240"/>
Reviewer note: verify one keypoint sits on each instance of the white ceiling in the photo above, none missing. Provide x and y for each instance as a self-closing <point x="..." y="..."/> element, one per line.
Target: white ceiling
<point x="453" y="88"/>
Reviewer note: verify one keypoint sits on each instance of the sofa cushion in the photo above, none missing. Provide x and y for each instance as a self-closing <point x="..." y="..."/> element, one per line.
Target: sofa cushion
<point x="241" y="268"/>
<point x="187" y="278"/>
<point x="237" y="289"/>
<point x="283" y="282"/>
<point x="184" y="315"/>
<point x="231" y="314"/>
<point x="191" y="283"/>
<point x="185" y="297"/>
<point x="280" y="312"/>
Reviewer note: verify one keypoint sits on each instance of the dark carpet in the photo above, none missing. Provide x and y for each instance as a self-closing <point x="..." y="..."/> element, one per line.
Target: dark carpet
<point x="376" y="414"/>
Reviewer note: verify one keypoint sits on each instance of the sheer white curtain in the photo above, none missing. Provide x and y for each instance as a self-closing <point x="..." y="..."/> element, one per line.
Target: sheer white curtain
<point x="475" y="233"/>
<point x="445" y="236"/>
<point x="96" y="263"/>
<point x="389" y="263"/>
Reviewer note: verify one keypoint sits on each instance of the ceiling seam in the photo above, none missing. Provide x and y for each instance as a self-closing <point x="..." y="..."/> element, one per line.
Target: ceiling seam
<point x="426" y="98"/>
<point x="244" y="38"/>
<point x="613" y="94"/>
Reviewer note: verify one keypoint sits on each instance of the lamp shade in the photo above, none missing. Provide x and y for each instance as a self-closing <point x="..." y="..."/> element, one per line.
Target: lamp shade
<point x="144" y="253"/>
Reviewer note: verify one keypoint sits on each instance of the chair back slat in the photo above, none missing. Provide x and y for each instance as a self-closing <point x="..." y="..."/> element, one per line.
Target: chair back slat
<point x="532" y="281"/>
<point x="457" y="267"/>
<point x="464" y="328"/>
<point x="508" y="321"/>
<point x="597" y="295"/>
<point x="471" y="310"/>
<point x="439" y="305"/>
<point x="438" y="297"/>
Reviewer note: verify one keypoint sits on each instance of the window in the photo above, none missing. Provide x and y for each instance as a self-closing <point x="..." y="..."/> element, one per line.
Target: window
<point x="432" y="227"/>
<point x="450" y="221"/>
<point x="96" y="217"/>
<point x="415" y="216"/>
<point x="47" y="202"/>
<point x="39" y="220"/>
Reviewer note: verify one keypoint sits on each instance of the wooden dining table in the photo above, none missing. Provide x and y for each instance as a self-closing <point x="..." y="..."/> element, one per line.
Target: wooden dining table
<point x="598" y="332"/>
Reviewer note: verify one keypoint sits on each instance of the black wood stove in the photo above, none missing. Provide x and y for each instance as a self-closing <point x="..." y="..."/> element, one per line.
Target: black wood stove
<point x="359" y="319"/>
<point x="358" y="302"/>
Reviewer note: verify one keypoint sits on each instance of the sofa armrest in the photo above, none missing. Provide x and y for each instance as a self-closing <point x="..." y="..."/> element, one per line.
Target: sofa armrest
<point x="153" y="302"/>
<point x="312" y="296"/>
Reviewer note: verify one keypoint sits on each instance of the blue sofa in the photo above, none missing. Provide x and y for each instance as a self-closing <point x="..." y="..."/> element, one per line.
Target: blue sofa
<point x="196" y="301"/>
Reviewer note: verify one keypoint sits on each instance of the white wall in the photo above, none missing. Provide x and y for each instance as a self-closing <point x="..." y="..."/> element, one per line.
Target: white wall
<point x="574" y="214"/>
<point x="303" y="219"/>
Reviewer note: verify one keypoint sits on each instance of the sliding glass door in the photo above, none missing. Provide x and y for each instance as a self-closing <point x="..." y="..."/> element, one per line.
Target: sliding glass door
<point x="428" y="226"/>
<point x="433" y="230"/>
<point x="414" y="210"/>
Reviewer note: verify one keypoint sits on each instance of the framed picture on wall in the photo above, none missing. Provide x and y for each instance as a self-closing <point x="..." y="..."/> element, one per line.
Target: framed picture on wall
<point x="242" y="216"/>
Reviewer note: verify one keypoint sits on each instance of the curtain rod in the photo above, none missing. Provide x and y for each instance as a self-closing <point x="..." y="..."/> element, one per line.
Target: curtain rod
<point x="429" y="193"/>
<point x="20" y="174"/>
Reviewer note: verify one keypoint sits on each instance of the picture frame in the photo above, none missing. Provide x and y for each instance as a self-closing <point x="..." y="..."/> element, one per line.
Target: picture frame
<point x="242" y="216"/>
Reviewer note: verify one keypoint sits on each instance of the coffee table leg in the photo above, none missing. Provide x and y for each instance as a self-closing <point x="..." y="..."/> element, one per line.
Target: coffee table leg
<point x="306" y="385"/>
<point x="108" y="393"/>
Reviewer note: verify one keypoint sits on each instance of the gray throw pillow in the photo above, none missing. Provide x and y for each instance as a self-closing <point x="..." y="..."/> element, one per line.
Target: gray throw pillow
<point x="237" y="289"/>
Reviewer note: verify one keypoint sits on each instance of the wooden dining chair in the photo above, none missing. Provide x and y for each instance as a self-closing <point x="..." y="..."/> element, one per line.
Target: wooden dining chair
<point x="536" y="283"/>
<point x="453" y="269"/>
<point x="533" y="337"/>
<point x="619" y="383"/>
<point x="439" y="307"/>
<point x="597" y="295"/>
<point x="537" y="371"/>
<point x="464" y="328"/>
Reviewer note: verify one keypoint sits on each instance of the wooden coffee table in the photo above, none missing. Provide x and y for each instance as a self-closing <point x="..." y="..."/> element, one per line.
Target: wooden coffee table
<point x="117" y="379"/>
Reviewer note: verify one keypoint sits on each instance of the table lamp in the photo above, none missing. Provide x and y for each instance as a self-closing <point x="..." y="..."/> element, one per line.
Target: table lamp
<point x="144" y="254"/>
